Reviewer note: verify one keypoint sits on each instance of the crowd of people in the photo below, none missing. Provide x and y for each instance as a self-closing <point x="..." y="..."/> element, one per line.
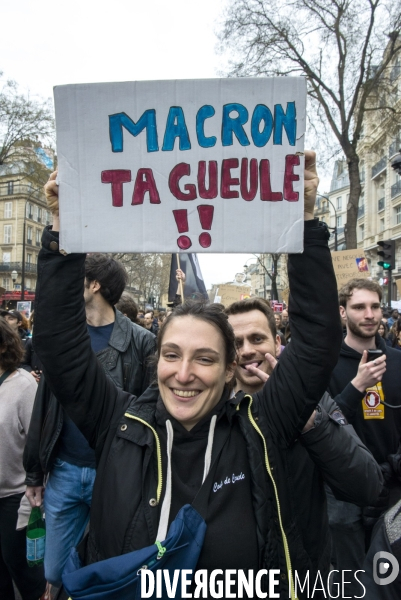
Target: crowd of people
<point x="128" y="416"/>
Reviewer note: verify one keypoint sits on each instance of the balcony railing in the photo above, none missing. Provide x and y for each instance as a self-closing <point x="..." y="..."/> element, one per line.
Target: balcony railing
<point x="10" y="266"/>
<point x="21" y="189"/>
<point x="321" y="210"/>
<point x="379" y="166"/>
<point x="394" y="148"/>
<point x="381" y="204"/>
<point x="396" y="189"/>
<point x="361" y="211"/>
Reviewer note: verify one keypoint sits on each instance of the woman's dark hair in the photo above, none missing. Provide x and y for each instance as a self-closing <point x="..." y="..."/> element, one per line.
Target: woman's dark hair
<point x="386" y="329"/>
<point x="12" y="350"/>
<point x="209" y="313"/>
<point x="395" y="332"/>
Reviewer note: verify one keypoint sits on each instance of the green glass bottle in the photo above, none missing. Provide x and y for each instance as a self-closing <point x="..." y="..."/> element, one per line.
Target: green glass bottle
<point x="35" y="538"/>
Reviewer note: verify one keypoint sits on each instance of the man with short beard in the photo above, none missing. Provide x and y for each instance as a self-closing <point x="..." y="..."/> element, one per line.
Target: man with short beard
<point x="366" y="391"/>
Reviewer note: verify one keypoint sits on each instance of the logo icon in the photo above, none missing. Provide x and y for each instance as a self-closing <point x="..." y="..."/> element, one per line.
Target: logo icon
<point x="382" y="561"/>
<point x="372" y="400"/>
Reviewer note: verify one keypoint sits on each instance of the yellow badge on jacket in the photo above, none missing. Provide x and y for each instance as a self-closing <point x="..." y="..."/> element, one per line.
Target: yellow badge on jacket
<point x="372" y="407"/>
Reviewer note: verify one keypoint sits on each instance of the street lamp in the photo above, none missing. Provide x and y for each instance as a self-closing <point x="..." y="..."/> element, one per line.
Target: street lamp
<point x="265" y="272"/>
<point x="246" y="268"/>
<point x="334" y="229"/>
<point x="14" y="276"/>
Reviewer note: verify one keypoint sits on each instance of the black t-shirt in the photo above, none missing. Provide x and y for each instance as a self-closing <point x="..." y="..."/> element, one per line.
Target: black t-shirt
<point x="73" y="445"/>
<point x="231" y="540"/>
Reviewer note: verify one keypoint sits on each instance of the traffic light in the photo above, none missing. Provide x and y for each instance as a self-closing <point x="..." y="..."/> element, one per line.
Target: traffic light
<point x="388" y="253"/>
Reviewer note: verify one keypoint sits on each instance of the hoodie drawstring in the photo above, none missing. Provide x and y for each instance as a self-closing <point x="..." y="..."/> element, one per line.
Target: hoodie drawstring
<point x="165" y="510"/>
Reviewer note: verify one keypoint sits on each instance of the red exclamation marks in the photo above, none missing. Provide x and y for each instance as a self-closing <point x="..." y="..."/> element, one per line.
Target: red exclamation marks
<point x="206" y="218"/>
<point x="181" y="218"/>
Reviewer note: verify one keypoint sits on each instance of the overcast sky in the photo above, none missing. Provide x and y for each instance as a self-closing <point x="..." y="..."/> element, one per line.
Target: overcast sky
<point x="47" y="43"/>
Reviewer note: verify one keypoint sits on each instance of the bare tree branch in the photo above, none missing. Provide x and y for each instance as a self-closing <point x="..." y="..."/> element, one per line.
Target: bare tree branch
<point x="22" y="119"/>
<point x="344" y="48"/>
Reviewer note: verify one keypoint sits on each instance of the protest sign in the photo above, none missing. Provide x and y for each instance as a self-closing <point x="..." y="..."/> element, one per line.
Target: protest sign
<point x="179" y="166"/>
<point x="227" y="294"/>
<point x="25" y="308"/>
<point x="349" y="264"/>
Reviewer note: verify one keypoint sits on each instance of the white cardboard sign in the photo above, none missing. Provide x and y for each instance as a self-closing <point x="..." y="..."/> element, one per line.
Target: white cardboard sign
<point x="191" y="165"/>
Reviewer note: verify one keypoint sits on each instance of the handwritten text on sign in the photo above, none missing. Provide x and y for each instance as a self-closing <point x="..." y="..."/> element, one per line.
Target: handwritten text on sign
<point x="179" y="165"/>
<point x="350" y="264"/>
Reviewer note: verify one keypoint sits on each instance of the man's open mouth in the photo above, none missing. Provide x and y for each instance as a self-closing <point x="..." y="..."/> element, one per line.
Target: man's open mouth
<point x="253" y="363"/>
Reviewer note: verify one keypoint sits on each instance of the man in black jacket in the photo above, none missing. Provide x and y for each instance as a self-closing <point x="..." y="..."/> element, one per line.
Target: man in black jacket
<point x="55" y="446"/>
<point x="366" y="391"/>
<point x="258" y="347"/>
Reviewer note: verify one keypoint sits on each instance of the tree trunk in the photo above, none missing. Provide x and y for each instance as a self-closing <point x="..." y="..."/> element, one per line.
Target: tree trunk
<point x="273" y="276"/>
<point x="353" y="201"/>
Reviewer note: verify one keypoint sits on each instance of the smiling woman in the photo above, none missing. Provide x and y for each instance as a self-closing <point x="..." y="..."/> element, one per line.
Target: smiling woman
<point x="155" y="452"/>
<point x="196" y="361"/>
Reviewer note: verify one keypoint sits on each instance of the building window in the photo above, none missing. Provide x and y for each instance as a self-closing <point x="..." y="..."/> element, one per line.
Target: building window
<point x="39" y="215"/>
<point x="10" y="188"/>
<point x="398" y="214"/>
<point x="28" y="212"/>
<point x="7" y="234"/>
<point x="361" y="231"/>
<point x="35" y="212"/>
<point x="29" y="259"/>
<point x="8" y="210"/>
<point x="381" y="225"/>
<point x="47" y="217"/>
<point x="28" y="284"/>
<point x="6" y="283"/>
<point x="38" y="237"/>
<point x="29" y="235"/>
<point x="6" y="257"/>
<point x="339" y="221"/>
<point x="339" y="203"/>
